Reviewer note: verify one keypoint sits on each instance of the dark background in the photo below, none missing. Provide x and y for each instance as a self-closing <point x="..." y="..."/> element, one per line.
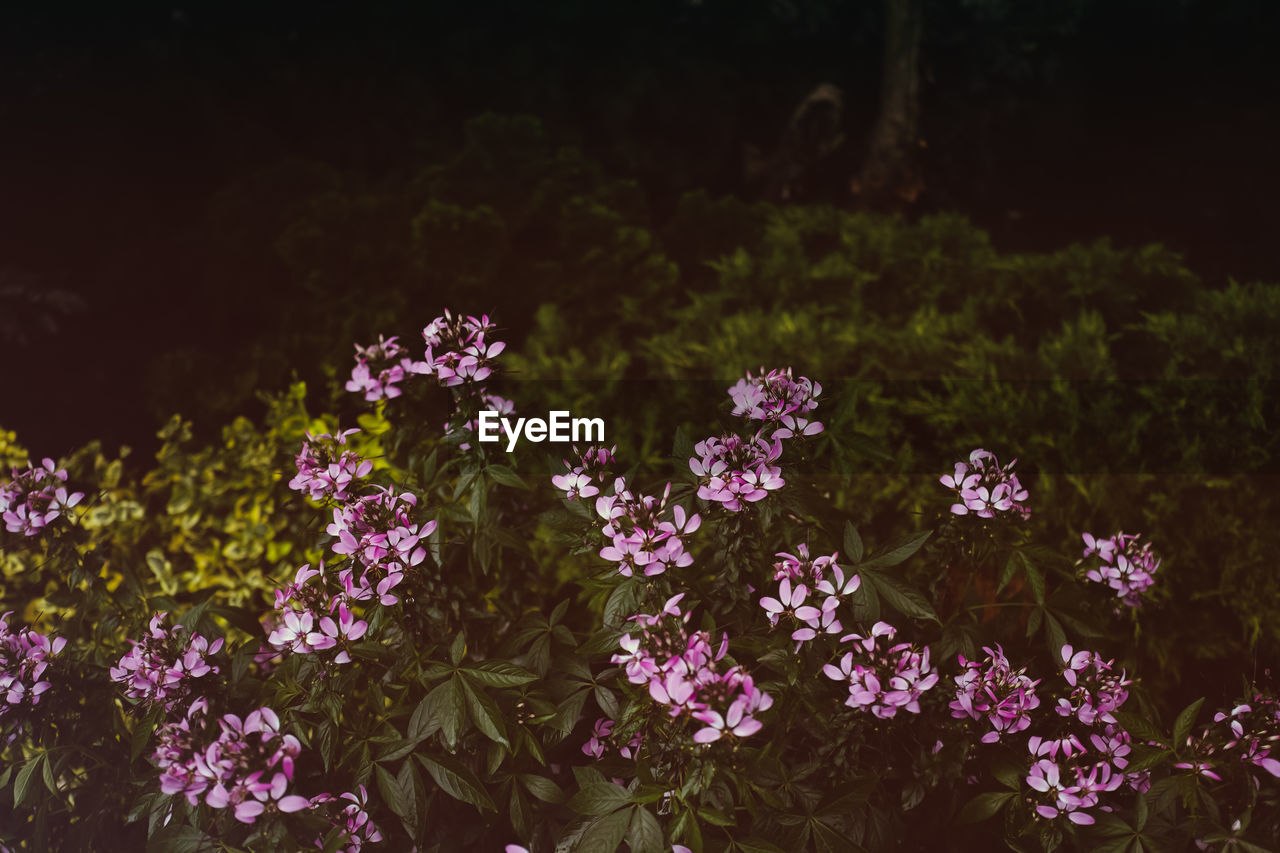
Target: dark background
<point x="122" y="126"/>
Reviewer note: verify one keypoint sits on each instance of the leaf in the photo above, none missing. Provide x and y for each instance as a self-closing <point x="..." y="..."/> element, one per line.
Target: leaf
<point x="622" y="601"/>
<point x="456" y="780"/>
<point x="1054" y="635"/>
<point x="983" y="806"/>
<point x="682" y="447"/>
<point x="595" y="798"/>
<point x="607" y="701"/>
<point x="1138" y="726"/>
<point x="542" y="788"/>
<point x="606" y="834"/>
<point x="500" y="673"/>
<point x="449" y="708"/>
<point x="901" y="596"/>
<point x="181" y="839"/>
<point x="1035" y="578"/>
<point x="396" y="798"/>
<point x="425" y="720"/>
<point x="26" y="776"/>
<point x="1182" y="725"/>
<point x="485" y="713"/>
<point x="644" y="835"/>
<point x="898" y="553"/>
<point x="852" y="543"/>
<point x="458" y="649"/>
<point x="504" y="476"/>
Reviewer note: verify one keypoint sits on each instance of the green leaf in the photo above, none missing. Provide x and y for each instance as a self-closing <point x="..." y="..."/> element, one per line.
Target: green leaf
<point x="852" y="543"/>
<point x="26" y="776"/>
<point x="500" y="673"/>
<point x="1054" y="636"/>
<point x="595" y="798"/>
<point x="456" y="780"/>
<point x="542" y="788"/>
<point x="606" y="834"/>
<point x="1182" y="725"/>
<point x="1035" y="578"/>
<point x="449" y="707"/>
<point x="984" y="806"/>
<point x="503" y="475"/>
<point x="901" y="596"/>
<point x="458" y="649"/>
<point x="607" y="702"/>
<point x="485" y="713"/>
<point x="898" y="553"/>
<point x="181" y="839"/>
<point x="396" y="798"/>
<point x="757" y="845"/>
<point x="644" y="835"/>
<point x="425" y="720"/>
<point x="1140" y="727"/>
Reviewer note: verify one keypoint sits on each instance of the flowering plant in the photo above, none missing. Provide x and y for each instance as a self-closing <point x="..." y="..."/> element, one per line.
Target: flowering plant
<point x="441" y="653"/>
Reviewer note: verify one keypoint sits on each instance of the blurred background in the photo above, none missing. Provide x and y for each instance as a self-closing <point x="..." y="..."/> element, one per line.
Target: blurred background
<point x="199" y="201"/>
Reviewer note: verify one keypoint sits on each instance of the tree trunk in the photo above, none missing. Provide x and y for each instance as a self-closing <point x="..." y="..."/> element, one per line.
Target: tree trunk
<point x="891" y="175"/>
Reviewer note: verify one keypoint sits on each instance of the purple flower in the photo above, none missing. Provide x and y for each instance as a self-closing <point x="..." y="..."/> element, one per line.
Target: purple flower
<point x="379" y="368"/>
<point x="25" y="655"/>
<point x="162" y="668"/>
<point x="35" y="497"/>
<point x="459" y="350"/>
<point x="883" y="680"/>
<point x="780" y="400"/>
<point x="1124" y="562"/>
<point x="325" y="470"/>
<point x="992" y="689"/>
<point x="986" y="489"/>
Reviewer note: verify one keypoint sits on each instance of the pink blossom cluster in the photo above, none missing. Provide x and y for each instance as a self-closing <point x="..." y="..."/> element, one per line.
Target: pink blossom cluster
<point x="991" y="688"/>
<point x="1125" y="563"/>
<point x="645" y="532"/>
<point x="459" y="350"/>
<point x="35" y="497"/>
<point x="353" y="819"/>
<point x="732" y="470"/>
<point x="780" y="400"/>
<point x="24" y="657"/>
<point x="488" y="402"/>
<point x="797" y="572"/>
<point x="1087" y="756"/>
<point x="380" y="368"/>
<point x="985" y="488"/>
<point x="326" y="470"/>
<point x="883" y="678"/>
<point x="242" y="764"/>
<point x="681" y="671"/>
<point x="1096" y="690"/>
<point x="1245" y="735"/>
<point x="600" y="741"/>
<point x="587" y="473"/>
<point x="384" y="542"/>
<point x="163" y="667"/>
<point x="310" y="618"/>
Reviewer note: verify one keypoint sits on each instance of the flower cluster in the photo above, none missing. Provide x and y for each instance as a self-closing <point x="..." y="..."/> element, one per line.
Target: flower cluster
<point x="379" y="533"/>
<point x="796" y="574"/>
<point x="35" y="497"/>
<point x="162" y="668"/>
<point x="991" y="688"/>
<point x="242" y="764"/>
<point x="1244" y="736"/>
<point x="24" y="657"/>
<point x="1125" y="563"/>
<point x="487" y="402"/>
<point x="352" y="819"/>
<point x="985" y="488"/>
<point x="458" y="349"/>
<point x="681" y="671"/>
<point x="379" y="368"/>
<point x="587" y="473"/>
<point x="731" y="469"/>
<point x="645" y="533"/>
<point x="326" y="470"/>
<point x="883" y="678"/>
<point x="310" y="618"/>
<point x="600" y="738"/>
<point x="779" y="400"/>
<point x="1087" y="756"/>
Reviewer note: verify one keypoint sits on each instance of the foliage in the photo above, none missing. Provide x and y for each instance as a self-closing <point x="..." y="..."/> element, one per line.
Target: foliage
<point x="714" y="643"/>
